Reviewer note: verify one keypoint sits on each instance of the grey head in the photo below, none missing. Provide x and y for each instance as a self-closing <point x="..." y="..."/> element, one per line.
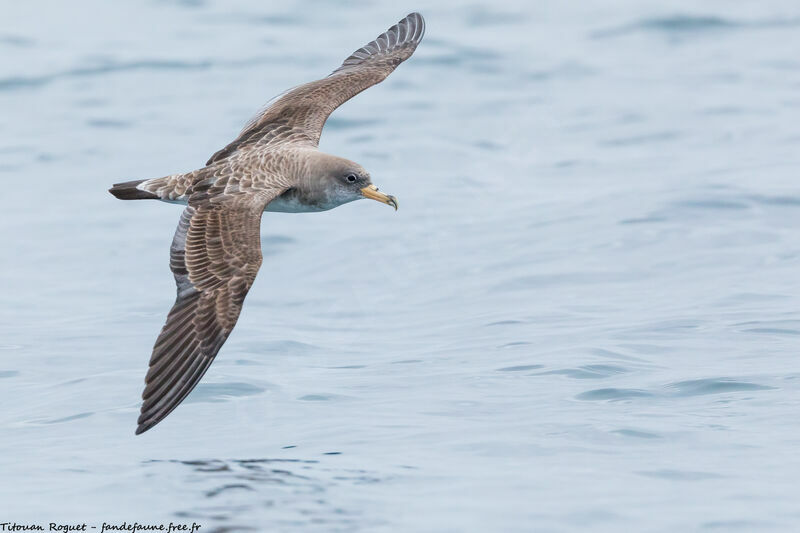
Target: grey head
<point x="328" y="181"/>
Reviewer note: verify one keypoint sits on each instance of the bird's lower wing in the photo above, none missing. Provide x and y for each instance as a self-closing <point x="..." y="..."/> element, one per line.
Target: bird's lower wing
<point x="215" y="256"/>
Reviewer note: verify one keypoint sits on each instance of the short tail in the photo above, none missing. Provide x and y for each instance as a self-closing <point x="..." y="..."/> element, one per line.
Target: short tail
<point x="129" y="191"/>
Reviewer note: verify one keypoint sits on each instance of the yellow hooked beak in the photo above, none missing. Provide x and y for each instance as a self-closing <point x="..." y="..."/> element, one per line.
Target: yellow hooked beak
<point x="372" y="193"/>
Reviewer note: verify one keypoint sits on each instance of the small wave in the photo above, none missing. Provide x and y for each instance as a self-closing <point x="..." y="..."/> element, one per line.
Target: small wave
<point x="590" y="371"/>
<point x="783" y="201"/>
<point x="613" y="394"/>
<point x="220" y="392"/>
<point x="505" y="323"/>
<point x="32" y="82"/>
<point x="488" y="145"/>
<point x="247" y="362"/>
<point x="212" y="465"/>
<point x="636" y="140"/>
<point x="636" y="434"/>
<point x="23" y="82"/>
<point x="699" y="387"/>
<point x="643" y="220"/>
<point x="240" y="487"/>
<point x="16" y="41"/>
<point x="319" y="397"/>
<point x="228" y="487"/>
<point x="711" y="203"/>
<point x="609" y="354"/>
<point x="515" y="344"/>
<point x="109" y="123"/>
<point x="773" y="331"/>
<point x="519" y="368"/>
<point x="691" y="24"/>
<point x="61" y="420"/>
<point x="681" y="23"/>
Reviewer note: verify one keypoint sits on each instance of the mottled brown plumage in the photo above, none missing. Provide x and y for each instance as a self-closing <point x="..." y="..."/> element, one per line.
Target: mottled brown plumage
<point x="272" y="165"/>
<point x="299" y="115"/>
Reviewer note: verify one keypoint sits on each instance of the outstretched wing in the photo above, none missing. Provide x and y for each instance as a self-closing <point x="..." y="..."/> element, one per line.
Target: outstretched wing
<point x="299" y="115"/>
<point x="215" y="256"/>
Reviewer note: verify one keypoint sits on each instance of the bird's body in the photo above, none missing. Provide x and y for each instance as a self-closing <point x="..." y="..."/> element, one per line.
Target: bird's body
<point x="274" y="165"/>
<point x="298" y="170"/>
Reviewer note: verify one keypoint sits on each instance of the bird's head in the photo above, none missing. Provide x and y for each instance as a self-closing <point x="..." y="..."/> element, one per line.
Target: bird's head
<point x="343" y="181"/>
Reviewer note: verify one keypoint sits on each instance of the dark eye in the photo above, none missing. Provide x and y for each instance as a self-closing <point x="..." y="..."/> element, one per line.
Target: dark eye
<point x="351" y="178"/>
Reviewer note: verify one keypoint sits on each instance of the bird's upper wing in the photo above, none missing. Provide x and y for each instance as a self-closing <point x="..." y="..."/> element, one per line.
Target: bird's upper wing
<point x="299" y="114"/>
<point x="215" y="255"/>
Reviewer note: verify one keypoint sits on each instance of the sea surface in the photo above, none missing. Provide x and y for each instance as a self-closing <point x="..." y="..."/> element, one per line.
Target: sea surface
<point x="585" y="315"/>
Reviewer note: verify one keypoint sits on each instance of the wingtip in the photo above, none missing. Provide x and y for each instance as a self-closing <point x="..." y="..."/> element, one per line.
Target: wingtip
<point x="419" y="21"/>
<point x="410" y="30"/>
<point x="143" y="425"/>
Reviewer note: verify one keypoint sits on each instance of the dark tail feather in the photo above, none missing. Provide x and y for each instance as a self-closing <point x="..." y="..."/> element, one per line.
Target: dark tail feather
<point x="128" y="191"/>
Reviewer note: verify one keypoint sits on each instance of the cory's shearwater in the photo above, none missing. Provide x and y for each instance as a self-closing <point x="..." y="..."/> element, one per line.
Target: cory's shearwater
<point x="273" y="165"/>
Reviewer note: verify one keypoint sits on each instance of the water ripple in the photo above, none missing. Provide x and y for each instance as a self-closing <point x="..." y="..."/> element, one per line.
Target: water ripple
<point x="692" y="24"/>
<point x="612" y="394"/>
<point x="61" y="420"/>
<point x="295" y="491"/>
<point x="519" y="368"/>
<point x="680" y="389"/>
<point x="645" y="138"/>
<point x="636" y="434"/>
<point x="16" y="41"/>
<point x="590" y="371"/>
<point x="778" y="200"/>
<point x="29" y="82"/>
<point x="221" y="392"/>
<point x="697" y="387"/>
<point x="32" y="82"/>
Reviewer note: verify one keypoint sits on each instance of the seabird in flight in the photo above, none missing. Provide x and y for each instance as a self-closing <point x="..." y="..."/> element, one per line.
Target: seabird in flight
<point x="273" y="165"/>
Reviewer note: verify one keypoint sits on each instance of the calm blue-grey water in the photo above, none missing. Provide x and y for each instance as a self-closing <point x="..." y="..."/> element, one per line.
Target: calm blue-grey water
<point x="584" y="316"/>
